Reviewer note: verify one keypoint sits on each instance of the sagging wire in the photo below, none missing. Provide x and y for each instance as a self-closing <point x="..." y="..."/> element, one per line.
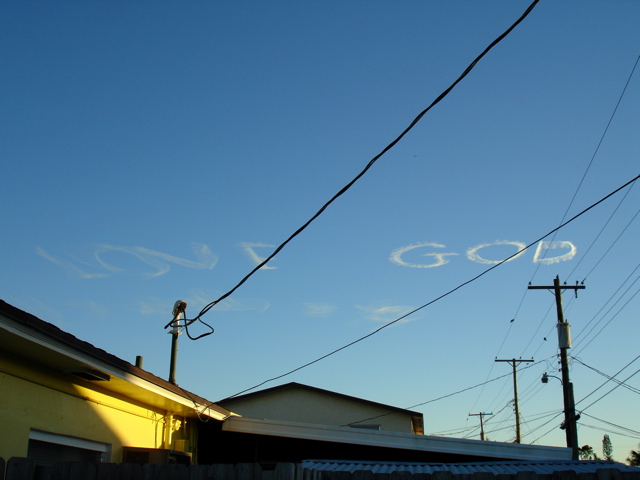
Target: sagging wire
<point x="180" y="309"/>
<point x="412" y="124"/>
<point x="440" y="297"/>
<point x="581" y="412"/>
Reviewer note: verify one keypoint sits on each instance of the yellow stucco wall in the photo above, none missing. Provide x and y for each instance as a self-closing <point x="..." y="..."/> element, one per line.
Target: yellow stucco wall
<point x="33" y="398"/>
<point x="310" y="406"/>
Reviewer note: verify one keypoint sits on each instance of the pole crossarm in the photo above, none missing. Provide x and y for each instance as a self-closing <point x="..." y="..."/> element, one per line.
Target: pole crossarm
<point x="575" y="287"/>
<point x="514" y="360"/>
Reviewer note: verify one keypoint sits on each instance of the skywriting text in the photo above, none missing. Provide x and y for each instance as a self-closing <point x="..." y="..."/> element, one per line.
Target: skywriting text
<point x="486" y="253"/>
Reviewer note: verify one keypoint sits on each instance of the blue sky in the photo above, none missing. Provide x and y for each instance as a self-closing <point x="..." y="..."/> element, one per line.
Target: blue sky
<point x="155" y="151"/>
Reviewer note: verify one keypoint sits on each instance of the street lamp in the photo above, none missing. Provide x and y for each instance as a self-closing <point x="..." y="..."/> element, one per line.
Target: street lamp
<point x="575" y="417"/>
<point x="545" y="378"/>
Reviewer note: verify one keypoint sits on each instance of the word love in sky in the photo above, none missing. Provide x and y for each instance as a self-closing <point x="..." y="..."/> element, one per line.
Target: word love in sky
<point x="436" y="254"/>
<point x="419" y="255"/>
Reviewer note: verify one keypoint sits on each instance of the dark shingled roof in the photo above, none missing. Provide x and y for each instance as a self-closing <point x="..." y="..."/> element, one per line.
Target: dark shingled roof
<point x="51" y="331"/>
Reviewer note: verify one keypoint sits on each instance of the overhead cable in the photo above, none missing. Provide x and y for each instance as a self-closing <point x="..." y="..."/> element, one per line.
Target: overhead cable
<point x="622" y="382"/>
<point x="584" y="175"/>
<point x="209" y="306"/>
<point x="628" y="387"/>
<point x="625" y="429"/>
<point x="613" y="317"/>
<point x="602" y="429"/>
<point x="600" y="233"/>
<point x="430" y="401"/>
<point x="612" y="244"/>
<point x="609" y="379"/>
<point x="604" y="133"/>
<point x="446" y="294"/>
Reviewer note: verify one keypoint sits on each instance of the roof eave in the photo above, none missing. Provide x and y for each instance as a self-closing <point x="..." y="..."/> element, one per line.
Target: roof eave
<point x="405" y="441"/>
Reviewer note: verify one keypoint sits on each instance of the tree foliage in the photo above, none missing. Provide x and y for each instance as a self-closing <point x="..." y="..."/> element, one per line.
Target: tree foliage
<point x="634" y="457"/>
<point x="586" y="453"/>
<point x="607" y="448"/>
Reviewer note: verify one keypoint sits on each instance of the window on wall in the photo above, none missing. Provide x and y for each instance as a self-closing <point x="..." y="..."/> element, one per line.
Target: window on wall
<point x="48" y="448"/>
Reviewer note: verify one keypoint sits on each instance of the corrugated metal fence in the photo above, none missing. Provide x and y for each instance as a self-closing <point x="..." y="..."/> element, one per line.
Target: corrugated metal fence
<point x="25" y="469"/>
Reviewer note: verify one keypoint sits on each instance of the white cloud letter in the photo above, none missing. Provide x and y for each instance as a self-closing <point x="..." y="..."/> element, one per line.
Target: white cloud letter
<point x="69" y="266"/>
<point x="206" y="260"/>
<point x="472" y="253"/>
<point x="396" y="256"/>
<point x="248" y="249"/>
<point x="318" y="309"/>
<point x="552" y="245"/>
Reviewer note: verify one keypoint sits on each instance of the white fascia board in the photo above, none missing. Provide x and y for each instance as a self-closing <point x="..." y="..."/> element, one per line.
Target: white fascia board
<point x="68" y="351"/>
<point x="406" y="441"/>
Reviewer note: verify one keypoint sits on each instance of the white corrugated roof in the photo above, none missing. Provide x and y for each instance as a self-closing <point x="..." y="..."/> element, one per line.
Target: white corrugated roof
<point x="539" y="467"/>
<point x="404" y="441"/>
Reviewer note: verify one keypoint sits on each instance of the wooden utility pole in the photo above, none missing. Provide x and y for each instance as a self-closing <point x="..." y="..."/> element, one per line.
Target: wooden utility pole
<point x="514" y="363"/>
<point x="481" y="415"/>
<point x="564" y="342"/>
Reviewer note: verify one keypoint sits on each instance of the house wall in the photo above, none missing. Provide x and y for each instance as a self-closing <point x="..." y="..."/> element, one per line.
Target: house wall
<point x="33" y="397"/>
<point x="308" y="406"/>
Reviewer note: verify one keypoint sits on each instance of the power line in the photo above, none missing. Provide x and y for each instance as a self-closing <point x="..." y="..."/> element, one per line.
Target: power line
<point x="600" y="233"/>
<point x="446" y="294"/>
<point x="622" y="384"/>
<point x="491" y="420"/>
<point x="429" y="401"/>
<point x="602" y="429"/>
<point x="614" y="316"/>
<point x="604" y="133"/>
<point x="544" y="318"/>
<point x="372" y="161"/>
<point x="617" y="373"/>
<point x="449" y="395"/>
<point x="539" y="417"/>
<point x="619" y="384"/>
<point x="607" y="302"/>
<point x="444" y="396"/>
<point x="612" y="245"/>
<point x="447" y="433"/>
<point x="625" y="429"/>
<point x="561" y="412"/>
<point x="499" y="397"/>
<point x="544" y="339"/>
<point x="532" y="390"/>
<point x="504" y="340"/>
<point x="584" y="175"/>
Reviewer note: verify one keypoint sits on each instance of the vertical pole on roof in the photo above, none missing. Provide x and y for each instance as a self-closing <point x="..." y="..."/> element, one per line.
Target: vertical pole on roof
<point x="179" y="310"/>
<point x="175" y="331"/>
<point x="174" y="354"/>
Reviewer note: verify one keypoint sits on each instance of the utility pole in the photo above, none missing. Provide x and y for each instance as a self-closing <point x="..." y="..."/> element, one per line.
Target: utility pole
<point x="564" y="342"/>
<point x="514" y="363"/>
<point x="481" y="415"/>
